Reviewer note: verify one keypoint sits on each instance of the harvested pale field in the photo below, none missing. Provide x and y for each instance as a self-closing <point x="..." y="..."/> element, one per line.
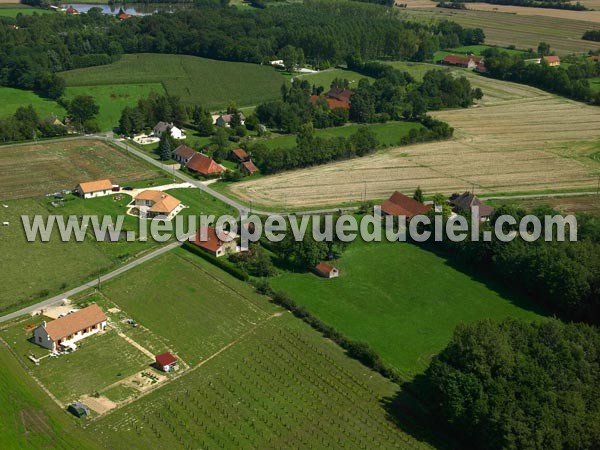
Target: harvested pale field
<point x="519" y="139"/>
<point x="592" y="4"/>
<point x="504" y="29"/>
<point x="37" y="169"/>
<point x="587" y="16"/>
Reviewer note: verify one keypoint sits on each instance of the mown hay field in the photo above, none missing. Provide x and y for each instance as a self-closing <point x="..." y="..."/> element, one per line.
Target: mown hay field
<point x="518" y="139"/>
<point x="195" y="80"/>
<point x="587" y="16"/>
<point x="504" y="29"/>
<point x="32" y="170"/>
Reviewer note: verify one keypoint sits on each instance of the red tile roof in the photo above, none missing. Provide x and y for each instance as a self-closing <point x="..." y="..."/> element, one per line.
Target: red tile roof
<point x="552" y="59"/>
<point x="204" y="165"/>
<point x="401" y="205"/>
<point x="183" y="151"/>
<point x="95" y="186"/>
<point x="165" y="359"/>
<point x="331" y="102"/>
<point x="74" y="322"/>
<point x="250" y="167"/>
<point x="211" y="242"/>
<point x="324" y="268"/>
<point x="340" y="94"/>
<point x="240" y="154"/>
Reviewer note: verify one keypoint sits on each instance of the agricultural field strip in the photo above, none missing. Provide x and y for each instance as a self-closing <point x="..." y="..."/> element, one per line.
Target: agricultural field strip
<point x="505" y="145"/>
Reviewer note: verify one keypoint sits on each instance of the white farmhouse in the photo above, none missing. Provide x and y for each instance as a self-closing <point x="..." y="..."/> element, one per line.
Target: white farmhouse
<point x="67" y="330"/>
<point x="162" y="127"/>
<point x="94" y="188"/>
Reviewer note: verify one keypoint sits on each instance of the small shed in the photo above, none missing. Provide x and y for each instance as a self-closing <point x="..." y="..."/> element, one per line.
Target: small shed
<point x="78" y="409"/>
<point x="327" y="271"/>
<point x="166" y="362"/>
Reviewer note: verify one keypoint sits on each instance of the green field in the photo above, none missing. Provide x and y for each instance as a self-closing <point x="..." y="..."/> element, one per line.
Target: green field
<point x="200" y="202"/>
<point x="325" y="77"/>
<point x="388" y="134"/>
<point x="11" y="99"/>
<point x="13" y="9"/>
<point x="470" y="49"/>
<point x="113" y="98"/>
<point x="595" y="84"/>
<point x="30" y="420"/>
<point x="196" y="80"/>
<point x="402" y="300"/>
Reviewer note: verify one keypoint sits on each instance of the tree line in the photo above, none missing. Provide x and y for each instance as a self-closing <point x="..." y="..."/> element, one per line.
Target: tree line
<point x="516" y="384"/>
<point x="553" y="4"/>
<point x="327" y="32"/>
<point x="570" y="82"/>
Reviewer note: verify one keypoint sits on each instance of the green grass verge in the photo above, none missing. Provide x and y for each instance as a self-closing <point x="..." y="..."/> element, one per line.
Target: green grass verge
<point x="195" y="80"/>
<point x="11" y="99"/>
<point x="401" y="299"/>
<point x="113" y="98"/>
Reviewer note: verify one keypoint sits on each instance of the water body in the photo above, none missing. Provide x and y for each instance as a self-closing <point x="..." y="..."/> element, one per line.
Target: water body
<point x="133" y="9"/>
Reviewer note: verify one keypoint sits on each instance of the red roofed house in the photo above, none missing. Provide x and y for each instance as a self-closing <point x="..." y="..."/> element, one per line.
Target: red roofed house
<point x="183" y="154"/>
<point x="123" y="16"/>
<point x="401" y="205"/>
<point x="166" y="362"/>
<point x="331" y="102"/>
<point x="71" y="10"/>
<point x="468" y="62"/>
<point x="552" y="61"/>
<point x="239" y="155"/>
<point x="204" y="165"/>
<point x="93" y="189"/>
<point x="327" y="271"/>
<point x="208" y="240"/>
<point x="152" y="203"/>
<point x="248" y="167"/>
<point x="67" y="330"/>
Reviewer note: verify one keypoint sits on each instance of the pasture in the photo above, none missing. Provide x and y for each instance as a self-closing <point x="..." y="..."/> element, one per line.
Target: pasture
<point x="11" y="99"/>
<point x="469" y="50"/>
<point x="30" y="420"/>
<point x="195" y="80"/>
<point x="14" y="9"/>
<point x="31" y="170"/>
<point x="517" y="140"/>
<point x="287" y="385"/>
<point x="504" y="29"/>
<point x="325" y="77"/>
<point x="388" y="134"/>
<point x="113" y="98"/>
<point x="403" y="300"/>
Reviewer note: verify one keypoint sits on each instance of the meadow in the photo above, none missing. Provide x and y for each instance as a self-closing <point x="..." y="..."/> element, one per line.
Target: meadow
<point x="325" y="77"/>
<point x="403" y="300"/>
<point x="518" y="139"/>
<point x="470" y="50"/>
<point x="13" y="9"/>
<point x="195" y="80"/>
<point x="388" y="134"/>
<point x="11" y="99"/>
<point x="30" y="420"/>
<point x="113" y="98"/>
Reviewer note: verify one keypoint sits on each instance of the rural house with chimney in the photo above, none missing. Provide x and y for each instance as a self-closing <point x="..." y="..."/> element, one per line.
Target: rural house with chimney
<point x="63" y="332"/>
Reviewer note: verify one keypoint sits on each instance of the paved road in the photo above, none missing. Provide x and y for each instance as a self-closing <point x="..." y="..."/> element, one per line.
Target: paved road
<point x="90" y="284"/>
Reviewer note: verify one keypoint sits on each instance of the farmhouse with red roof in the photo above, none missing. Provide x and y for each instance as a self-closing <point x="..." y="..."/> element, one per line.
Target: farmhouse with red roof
<point x="467" y="62"/>
<point x="208" y="240"/>
<point x="204" y="165"/>
<point x="166" y="362"/>
<point x="401" y="205"/>
<point x="326" y="270"/>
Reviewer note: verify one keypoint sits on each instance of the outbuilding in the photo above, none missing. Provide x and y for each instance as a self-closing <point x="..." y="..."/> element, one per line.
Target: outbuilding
<point x="166" y="362"/>
<point x="94" y="189"/>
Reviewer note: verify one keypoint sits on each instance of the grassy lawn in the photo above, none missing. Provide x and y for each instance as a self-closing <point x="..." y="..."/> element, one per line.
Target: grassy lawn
<point x="189" y="303"/>
<point x="388" y="134"/>
<point x="325" y="77"/>
<point x="99" y="361"/>
<point x="287" y="383"/>
<point x="595" y="84"/>
<point x="200" y="202"/>
<point x="11" y="99"/>
<point x="113" y="98"/>
<point x="195" y="80"/>
<point x="30" y="420"/>
<point x="402" y="300"/>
